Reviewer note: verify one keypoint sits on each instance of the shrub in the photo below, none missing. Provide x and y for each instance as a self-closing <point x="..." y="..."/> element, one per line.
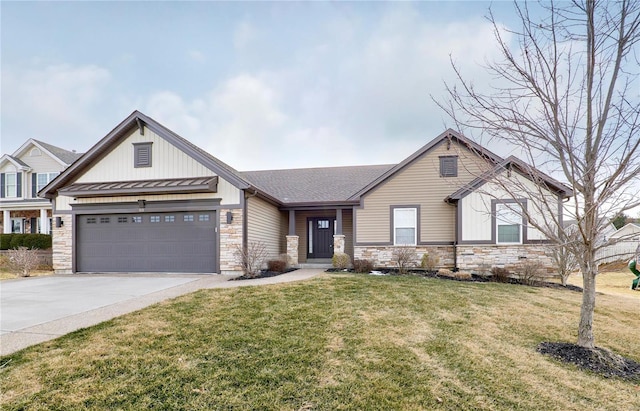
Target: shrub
<point x="287" y="260"/>
<point x="362" y="266"/>
<point x="277" y="266"/>
<point x="500" y="275"/>
<point x="23" y="260"/>
<point x="5" y="241"/>
<point x="31" y="241"/>
<point x="252" y="257"/>
<point x="404" y="257"/>
<point x="429" y="262"/>
<point x="340" y="260"/>
<point x="443" y="272"/>
<point x="531" y="272"/>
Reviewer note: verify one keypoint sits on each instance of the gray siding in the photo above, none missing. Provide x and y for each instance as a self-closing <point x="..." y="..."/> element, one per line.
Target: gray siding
<point x="265" y="225"/>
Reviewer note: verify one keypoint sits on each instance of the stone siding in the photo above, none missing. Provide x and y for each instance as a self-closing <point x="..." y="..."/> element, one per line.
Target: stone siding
<point x="383" y="256"/>
<point x="292" y="249"/>
<point x="480" y="259"/>
<point x="230" y="240"/>
<point x="338" y="243"/>
<point x="62" y="244"/>
<point x="475" y="259"/>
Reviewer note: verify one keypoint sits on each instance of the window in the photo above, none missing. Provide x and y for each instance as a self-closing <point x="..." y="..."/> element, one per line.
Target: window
<point x="35" y="152"/>
<point x="187" y="217"/>
<point x="405" y="226"/>
<point x="44" y="179"/>
<point x="323" y="224"/>
<point x="154" y="219"/>
<point x="17" y="225"/>
<point x="123" y="219"/>
<point x="11" y="185"/>
<point x="449" y="166"/>
<point x="104" y="220"/>
<point x="136" y="219"/>
<point x="141" y="155"/>
<point x="508" y="223"/>
<point x="91" y="220"/>
<point x="169" y="218"/>
<point x="203" y="217"/>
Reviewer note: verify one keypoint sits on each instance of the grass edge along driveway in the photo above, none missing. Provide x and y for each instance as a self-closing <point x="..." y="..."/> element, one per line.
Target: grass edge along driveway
<point x="336" y="342"/>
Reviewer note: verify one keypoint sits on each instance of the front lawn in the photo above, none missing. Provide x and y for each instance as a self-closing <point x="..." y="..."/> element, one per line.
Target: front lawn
<point x="336" y="342"/>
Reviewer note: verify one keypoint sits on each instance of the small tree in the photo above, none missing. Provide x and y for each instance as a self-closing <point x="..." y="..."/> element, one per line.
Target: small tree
<point x="252" y="257"/>
<point x="565" y="261"/>
<point x="404" y="257"/>
<point x="23" y="260"/>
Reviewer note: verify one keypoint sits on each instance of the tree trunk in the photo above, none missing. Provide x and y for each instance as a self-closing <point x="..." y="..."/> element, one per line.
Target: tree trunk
<point x="585" y="329"/>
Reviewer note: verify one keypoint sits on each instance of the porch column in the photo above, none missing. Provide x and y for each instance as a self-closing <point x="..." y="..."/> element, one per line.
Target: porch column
<point x="292" y="239"/>
<point x="44" y="221"/>
<point x="338" y="237"/>
<point x="6" y="222"/>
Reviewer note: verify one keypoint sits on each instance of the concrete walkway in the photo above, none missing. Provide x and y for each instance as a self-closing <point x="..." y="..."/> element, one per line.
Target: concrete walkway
<point x="33" y="310"/>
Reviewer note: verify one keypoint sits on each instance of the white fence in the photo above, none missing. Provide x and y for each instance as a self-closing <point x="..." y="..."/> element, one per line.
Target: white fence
<point x="622" y="251"/>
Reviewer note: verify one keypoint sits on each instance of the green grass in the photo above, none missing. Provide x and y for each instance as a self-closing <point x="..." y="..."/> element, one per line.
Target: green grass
<point x="336" y="342"/>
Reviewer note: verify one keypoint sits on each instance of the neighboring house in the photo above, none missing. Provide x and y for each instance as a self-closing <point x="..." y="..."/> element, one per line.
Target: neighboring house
<point x="145" y="199"/>
<point x="22" y="175"/>
<point x="628" y="232"/>
<point x="608" y="232"/>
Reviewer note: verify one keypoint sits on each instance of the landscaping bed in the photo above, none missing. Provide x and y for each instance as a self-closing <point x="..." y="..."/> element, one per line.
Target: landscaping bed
<point x="263" y="274"/>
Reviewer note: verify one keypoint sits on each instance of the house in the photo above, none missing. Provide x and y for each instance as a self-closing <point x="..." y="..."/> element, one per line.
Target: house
<point x="608" y="229"/>
<point x="145" y="199"/>
<point x="22" y="175"/>
<point x="628" y="232"/>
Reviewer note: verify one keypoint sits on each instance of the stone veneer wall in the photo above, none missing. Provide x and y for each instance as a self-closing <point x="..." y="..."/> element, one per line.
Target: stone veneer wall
<point x="383" y="256"/>
<point x="230" y="240"/>
<point x="479" y="259"/>
<point x="475" y="259"/>
<point x="62" y="244"/>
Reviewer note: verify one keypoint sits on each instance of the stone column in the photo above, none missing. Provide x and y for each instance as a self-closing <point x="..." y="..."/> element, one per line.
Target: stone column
<point x="44" y="221"/>
<point x="6" y="222"/>
<point x="338" y="243"/>
<point x="292" y="249"/>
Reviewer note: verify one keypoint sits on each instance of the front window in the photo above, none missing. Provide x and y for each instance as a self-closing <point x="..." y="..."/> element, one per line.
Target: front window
<point x="509" y="223"/>
<point x="11" y="185"/>
<point x="44" y="179"/>
<point x="17" y="225"/>
<point x="405" y="226"/>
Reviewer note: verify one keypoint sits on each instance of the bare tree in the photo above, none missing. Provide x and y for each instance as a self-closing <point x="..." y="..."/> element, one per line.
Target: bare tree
<point x="23" y="260"/>
<point x="252" y="257"/>
<point x="566" y="94"/>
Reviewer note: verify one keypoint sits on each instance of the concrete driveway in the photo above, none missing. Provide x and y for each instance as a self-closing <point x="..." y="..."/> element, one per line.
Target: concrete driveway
<point x="33" y="310"/>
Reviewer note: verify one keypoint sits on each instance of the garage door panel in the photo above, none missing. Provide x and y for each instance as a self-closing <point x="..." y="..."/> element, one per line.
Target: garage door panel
<point x="146" y="242"/>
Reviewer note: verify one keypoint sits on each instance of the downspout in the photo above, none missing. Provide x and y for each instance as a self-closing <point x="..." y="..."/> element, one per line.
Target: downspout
<point x="245" y="223"/>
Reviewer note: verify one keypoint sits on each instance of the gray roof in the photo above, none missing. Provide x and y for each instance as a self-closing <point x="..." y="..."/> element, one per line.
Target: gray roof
<point x="306" y="185"/>
<point x="66" y="156"/>
<point x="17" y="160"/>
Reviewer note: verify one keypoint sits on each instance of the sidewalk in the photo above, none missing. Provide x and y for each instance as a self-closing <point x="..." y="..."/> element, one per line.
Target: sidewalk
<point x="14" y="338"/>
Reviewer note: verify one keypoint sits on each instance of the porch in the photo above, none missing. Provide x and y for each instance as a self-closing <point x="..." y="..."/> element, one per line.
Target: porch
<point x="314" y="235"/>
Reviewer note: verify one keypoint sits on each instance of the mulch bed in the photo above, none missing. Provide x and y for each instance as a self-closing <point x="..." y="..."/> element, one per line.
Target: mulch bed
<point x="263" y="274"/>
<point x="598" y="360"/>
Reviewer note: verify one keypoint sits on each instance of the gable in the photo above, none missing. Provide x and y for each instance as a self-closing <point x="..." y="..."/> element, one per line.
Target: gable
<point x="39" y="160"/>
<point x="167" y="161"/>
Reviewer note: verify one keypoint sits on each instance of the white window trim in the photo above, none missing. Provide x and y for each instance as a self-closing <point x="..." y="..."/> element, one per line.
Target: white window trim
<point x="8" y="194"/>
<point x="510" y="207"/>
<point x="415" y="225"/>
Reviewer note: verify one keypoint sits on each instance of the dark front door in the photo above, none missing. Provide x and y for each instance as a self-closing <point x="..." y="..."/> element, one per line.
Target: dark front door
<point x="320" y="237"/>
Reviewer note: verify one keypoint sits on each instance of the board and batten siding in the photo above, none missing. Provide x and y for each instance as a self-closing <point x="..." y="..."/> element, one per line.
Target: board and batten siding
<point x="476" y="222"/>
<point x="264" y="225"/>
<point x="419" y="183"/>
<point x="167" y="161"/>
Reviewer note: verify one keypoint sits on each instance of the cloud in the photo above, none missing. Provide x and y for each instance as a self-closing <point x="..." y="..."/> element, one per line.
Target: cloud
<point x="244" y="34"/>
<point x="56" y="103"/>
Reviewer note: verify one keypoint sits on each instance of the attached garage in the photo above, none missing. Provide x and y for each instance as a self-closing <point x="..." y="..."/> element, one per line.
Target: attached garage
<point x="183" y="242"/>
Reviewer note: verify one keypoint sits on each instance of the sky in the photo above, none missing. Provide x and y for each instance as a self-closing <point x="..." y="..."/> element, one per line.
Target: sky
<point x="260" y="85"/>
